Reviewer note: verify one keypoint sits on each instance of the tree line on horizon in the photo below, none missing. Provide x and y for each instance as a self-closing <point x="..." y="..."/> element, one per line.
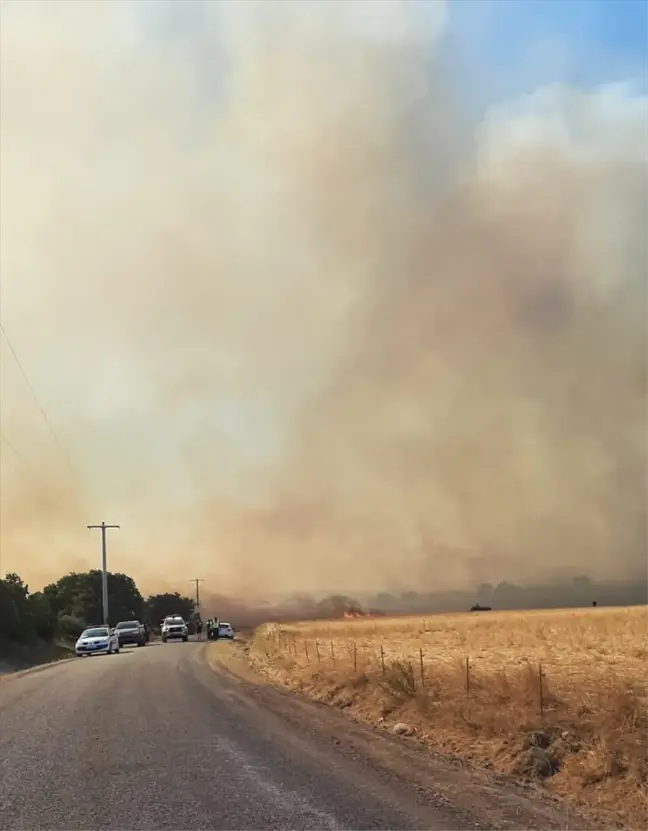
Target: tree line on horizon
<point x="62" y="610"/>
<point x="578" y="591"/>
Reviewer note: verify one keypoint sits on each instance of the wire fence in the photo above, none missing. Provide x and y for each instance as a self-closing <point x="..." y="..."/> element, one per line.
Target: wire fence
<point x="532" y="683"/>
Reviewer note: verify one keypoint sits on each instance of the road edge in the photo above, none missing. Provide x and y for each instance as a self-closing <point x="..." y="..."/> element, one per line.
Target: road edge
<point x="235" y="663"/>
<point x="8" y="676"/>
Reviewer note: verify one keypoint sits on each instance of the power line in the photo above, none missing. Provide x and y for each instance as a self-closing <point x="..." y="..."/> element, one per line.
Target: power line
<point x="18" y="470"/>
<point x="37" y="402"/>
<point x="19" y="455"/>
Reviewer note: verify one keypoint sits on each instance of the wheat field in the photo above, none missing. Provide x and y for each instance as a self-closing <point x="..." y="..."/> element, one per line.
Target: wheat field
<point x="560" y="696"/>
<point x="568" y="643"/>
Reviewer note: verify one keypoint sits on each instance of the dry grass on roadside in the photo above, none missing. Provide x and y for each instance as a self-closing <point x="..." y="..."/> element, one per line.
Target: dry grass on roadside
<point x="558" y="696"/>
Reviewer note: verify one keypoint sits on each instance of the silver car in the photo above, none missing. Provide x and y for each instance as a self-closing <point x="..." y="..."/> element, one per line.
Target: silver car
<point x="98" y="640"/>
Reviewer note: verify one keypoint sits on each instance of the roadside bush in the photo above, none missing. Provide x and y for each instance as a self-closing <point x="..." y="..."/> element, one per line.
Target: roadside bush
<point x="24" y="616"/>
<point x="70" y="627"/>
<point x="9" y="612"/>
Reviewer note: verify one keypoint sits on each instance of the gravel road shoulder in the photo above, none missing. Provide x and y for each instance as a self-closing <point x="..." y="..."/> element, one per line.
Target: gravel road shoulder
<point x="482" y="799"/>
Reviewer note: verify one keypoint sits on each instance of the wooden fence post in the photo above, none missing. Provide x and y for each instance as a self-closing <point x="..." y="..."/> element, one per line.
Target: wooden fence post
<point x="467" y="676"/>
<point x="382" y="658"/>
<point x="317" y="651"/>
<point x="422" y="670"/>
<point x="540" y="674"/>
<point x="306" y="651"/>
<point x="355" y="657"/>
<point x="332" y="653"/>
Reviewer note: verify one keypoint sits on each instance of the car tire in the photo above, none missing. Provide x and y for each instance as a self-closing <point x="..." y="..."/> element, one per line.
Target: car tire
<point x="185" y="638"/>
<point x="164" y="640"/>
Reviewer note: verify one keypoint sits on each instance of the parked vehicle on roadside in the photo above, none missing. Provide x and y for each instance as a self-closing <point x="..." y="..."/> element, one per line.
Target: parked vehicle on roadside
<point x="97" y="640"/>
<point x="130" y="632"/>
<point x="225" y="631"/>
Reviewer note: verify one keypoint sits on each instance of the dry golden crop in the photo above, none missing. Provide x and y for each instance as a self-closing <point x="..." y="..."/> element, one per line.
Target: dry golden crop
<point x="560" y="695"/>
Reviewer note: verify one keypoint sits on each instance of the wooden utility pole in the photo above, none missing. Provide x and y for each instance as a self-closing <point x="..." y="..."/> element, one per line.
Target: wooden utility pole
<point x="197" y="581"/>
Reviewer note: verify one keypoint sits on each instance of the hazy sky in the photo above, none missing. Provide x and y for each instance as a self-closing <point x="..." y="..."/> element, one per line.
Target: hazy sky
<point x="322" y="295"/>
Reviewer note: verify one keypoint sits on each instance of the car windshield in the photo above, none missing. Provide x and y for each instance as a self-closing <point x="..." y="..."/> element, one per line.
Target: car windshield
<point x="95" y="633"/>
<point x="130" y="624"/>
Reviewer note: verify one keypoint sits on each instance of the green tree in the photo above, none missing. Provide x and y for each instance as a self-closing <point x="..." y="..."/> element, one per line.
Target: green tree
<point x="13" y="598"/>
<point x="42" y="618"/>
<point x="24" y="616"/>
<point x="78" y="596"/>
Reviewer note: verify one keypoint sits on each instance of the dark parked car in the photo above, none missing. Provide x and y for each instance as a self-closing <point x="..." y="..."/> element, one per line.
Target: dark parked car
<point x="130" y="631"/>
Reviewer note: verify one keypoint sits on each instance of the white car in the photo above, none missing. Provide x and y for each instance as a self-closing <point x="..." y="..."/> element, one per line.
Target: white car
<point x="174" y="627"/>
<point x="225" y="630"/>
<point x="98" y="640"/>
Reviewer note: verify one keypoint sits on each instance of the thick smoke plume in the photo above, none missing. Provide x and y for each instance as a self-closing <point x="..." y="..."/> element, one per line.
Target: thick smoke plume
<point x="301" y="319"/>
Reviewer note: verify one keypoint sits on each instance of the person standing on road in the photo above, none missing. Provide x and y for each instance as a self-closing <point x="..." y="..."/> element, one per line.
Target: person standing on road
<point x="199" y="628"/>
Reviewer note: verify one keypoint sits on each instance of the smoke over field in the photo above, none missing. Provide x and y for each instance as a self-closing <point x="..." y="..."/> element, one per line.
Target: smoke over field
<point x="301" y="319"/>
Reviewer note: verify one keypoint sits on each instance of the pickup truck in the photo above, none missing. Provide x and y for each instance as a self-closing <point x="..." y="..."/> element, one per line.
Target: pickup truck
<point x="174" y="627"/>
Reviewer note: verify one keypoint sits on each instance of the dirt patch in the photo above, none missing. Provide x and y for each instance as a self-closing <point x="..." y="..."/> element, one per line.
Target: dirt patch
<point x="234" y="658"/>
<point x="586" y="743"/>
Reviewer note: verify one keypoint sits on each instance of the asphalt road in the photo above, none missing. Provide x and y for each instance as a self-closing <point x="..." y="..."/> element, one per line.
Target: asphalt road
<point x="153" y="738"/>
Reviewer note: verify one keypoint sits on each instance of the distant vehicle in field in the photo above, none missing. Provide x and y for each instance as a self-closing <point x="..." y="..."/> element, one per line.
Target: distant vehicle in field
<point x="130" y="632"/>
<point x="97" y="640"/>
<point x="478" y="608"/>
<point x="174" y="627"/>
<point x="225" y="630"/>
